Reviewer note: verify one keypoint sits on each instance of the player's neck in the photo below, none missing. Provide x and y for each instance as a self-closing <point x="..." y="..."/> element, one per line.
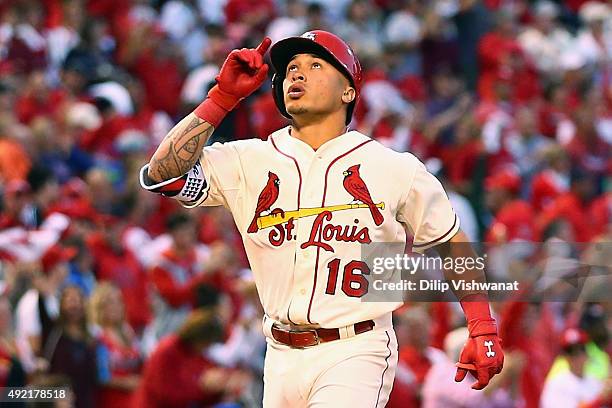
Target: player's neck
<point x="317" y="132"/>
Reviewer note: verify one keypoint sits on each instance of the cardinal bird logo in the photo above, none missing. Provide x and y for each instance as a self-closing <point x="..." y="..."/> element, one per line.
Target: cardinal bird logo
<point x="358" y="189"/>
<point x="267" y="197"/>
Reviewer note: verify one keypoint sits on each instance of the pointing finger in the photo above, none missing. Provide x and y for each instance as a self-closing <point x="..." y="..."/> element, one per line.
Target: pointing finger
<point x="263" y="47"/>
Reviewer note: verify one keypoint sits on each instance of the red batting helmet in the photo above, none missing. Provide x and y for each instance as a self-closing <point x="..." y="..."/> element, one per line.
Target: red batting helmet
<point x="323" y="44"/>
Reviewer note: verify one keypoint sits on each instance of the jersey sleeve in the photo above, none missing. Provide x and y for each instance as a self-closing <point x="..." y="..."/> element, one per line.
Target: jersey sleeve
<point x="427" y="211"/>
<point x="213" y="180"/>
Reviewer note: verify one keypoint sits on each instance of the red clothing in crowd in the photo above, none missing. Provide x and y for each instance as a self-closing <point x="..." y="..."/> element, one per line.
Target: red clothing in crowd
<point x="236" y="10"/>
<point x="122" y="360"/>
<point x="265" y="116"/>
<point x="163" y="81"/>
<point x="30" y="106"/>
<point x="6" y="362"/>
<point x="102" y="139"/>
<point x="536" y="338"/>
<point x="176" y="277"/>
<point x="545" y="188"/>
<point x="494" y="51"/>
<point x="122" y="269"/>
<point x="514" y="221"/>
<point x="171" y="378"/>
<point x="569" y="208"/>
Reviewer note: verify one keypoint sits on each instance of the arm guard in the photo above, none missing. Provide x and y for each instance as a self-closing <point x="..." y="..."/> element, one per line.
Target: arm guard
<point x="191" y="189"/>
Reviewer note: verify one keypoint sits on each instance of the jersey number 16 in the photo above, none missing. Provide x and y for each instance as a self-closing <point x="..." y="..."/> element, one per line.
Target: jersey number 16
<point x="354" y="283"/>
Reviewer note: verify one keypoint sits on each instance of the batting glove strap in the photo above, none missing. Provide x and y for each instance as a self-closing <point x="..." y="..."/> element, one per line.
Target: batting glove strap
<point x="478" y="327"/>
<point x="224" y="99"/>
<point x="191" y="189"/>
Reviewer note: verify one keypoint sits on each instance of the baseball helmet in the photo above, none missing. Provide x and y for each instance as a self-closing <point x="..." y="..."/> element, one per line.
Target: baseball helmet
<point x="323" y="44"/>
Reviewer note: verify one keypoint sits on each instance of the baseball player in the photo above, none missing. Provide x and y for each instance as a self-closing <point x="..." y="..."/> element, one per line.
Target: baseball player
<point x="305" y="201"/>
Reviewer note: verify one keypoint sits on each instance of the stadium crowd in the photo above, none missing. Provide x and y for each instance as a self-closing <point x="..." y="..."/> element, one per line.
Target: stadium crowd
<point x="129" y="300"/>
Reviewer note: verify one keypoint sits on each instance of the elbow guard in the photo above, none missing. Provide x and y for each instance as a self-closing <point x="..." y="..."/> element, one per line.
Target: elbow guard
<point x="191" y="188"/>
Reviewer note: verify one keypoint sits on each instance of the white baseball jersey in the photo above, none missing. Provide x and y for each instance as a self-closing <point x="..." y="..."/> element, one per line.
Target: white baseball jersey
<point x="304" y="215"/>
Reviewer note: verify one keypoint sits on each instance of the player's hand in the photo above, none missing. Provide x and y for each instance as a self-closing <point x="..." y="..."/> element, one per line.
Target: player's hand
<point x="482" y="355"/>
<point x="242" y="73"/>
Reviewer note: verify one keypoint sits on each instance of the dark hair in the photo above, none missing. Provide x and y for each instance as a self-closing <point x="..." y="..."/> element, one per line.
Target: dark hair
<point x="207" y="296"/>
<point x="202" y="325"/>
<point x="177" y="220"/>
<point x="38" y="177"/>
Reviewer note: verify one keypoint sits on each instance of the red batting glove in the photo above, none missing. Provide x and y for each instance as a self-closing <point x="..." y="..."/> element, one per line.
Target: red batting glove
<point x="482" y="355"/>
<point x="242" y="73"/>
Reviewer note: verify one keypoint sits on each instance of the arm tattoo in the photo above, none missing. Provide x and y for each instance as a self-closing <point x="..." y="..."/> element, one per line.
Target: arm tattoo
<point x="180" y="149"/>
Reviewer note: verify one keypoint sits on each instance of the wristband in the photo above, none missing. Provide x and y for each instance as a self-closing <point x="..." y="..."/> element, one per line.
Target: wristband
<point x="478" y="315"/>
<point x="211" y="112"/>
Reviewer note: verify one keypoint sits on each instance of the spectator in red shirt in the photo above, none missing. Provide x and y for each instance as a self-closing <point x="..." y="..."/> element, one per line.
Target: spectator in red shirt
<point x="573" y="207"/>
<point x="177" y="275"/>
<point x="513" y="218"/>
<point x="38" y="99"/>
<point x="115" y="263"/>
<point x="158" y="64"/>
<point x="416" y="356"/>
<point x="119" y="360"/>
<point x="178" y="375"/>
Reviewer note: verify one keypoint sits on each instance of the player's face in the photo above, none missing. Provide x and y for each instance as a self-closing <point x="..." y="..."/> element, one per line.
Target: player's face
<point x="313" y="87"/>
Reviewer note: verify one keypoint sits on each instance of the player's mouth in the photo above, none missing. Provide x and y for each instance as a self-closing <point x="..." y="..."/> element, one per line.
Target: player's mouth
<point x="295" y="91"/>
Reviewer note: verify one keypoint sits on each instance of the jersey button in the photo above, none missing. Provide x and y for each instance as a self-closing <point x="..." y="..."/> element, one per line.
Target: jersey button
<point x="302" y="291"/>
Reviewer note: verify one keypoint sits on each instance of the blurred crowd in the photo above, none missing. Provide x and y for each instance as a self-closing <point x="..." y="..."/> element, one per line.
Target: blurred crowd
<point x="129" y="300"/>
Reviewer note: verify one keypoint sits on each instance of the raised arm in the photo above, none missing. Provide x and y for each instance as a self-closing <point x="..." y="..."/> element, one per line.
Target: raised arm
<point x="242" y="73"/>
<point x="180" y="149"/>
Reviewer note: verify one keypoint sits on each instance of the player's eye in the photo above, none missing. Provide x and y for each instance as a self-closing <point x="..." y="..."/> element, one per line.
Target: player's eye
<point x="291" y="68"/>
<point x="316" y="65"/>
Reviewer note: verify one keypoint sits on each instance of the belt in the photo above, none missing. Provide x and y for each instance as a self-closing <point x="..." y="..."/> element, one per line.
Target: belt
<point x="309" y="338"/>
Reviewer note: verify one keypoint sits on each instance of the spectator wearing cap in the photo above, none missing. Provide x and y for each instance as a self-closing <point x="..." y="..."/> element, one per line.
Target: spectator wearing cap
<point x="175" y="278"/>
<point x="12" y="373"/>
<point x="70" y="349"/>
<point x="116" y="263"/>
<point x="195" y="380"/>
<point x="571" y="387"/>
<point x="118" y="357"/>
<point x="513" y="218"/>
<point x="39" y="306"/>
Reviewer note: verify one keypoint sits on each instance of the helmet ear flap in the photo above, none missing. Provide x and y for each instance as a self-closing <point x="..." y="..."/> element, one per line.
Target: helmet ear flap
<point x="277" y="93"/>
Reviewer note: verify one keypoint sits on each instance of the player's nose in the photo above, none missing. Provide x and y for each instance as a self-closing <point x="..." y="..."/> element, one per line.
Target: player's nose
<point x="296" y="76"/>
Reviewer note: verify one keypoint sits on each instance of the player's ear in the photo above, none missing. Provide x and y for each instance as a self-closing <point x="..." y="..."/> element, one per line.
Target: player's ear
<point x="349" y="95"/>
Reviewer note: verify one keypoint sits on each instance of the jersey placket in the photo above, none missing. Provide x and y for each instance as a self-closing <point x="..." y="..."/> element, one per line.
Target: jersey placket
<point x="305" y="258"/>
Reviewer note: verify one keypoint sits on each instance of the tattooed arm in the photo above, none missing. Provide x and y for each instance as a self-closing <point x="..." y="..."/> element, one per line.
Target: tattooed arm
<point x="180" y="149"/>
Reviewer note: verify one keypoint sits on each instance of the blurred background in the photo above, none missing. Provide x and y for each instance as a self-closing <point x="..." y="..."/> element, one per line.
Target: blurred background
<point x="128" y="300"/>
